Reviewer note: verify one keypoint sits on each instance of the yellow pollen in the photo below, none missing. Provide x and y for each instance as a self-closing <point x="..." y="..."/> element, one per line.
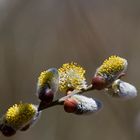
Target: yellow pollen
<point x="19" y="114"/>
<point x="71" y="77"/>
<point x="112" y="65"/>
<point x="44" y="77"/>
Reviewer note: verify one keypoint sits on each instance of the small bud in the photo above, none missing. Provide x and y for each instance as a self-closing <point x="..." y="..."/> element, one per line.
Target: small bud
<point x="98" y="82"/>
<point x="46" y="95"/>
<point x="79" y="104"/>
<point x="122" y="89"/>
<point x="70" y="105"/>
<point x="7" y="130"/>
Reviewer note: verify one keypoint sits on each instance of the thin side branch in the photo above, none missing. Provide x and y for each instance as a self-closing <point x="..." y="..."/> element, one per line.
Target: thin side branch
<point x="60" y="101"/>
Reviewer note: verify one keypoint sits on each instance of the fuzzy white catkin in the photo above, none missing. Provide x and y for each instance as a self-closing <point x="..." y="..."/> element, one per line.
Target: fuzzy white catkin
<point x="127" y="90"/>
<point x="86" y="105"/>
<point x="122" y="90"/>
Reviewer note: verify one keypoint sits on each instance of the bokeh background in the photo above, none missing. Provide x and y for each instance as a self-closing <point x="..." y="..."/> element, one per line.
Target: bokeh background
<point x="38" y="34"/>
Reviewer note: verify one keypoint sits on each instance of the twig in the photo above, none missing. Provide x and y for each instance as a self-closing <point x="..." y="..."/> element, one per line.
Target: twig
<point x="60" y="101"/>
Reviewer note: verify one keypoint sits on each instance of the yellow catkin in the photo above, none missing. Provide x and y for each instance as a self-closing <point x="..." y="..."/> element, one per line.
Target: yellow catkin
<point x="20" y="114"/>
<point x="112" y="65"/>
<point x="71" y="77"/>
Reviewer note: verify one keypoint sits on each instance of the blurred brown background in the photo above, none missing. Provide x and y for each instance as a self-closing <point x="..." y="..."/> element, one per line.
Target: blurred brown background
<point x="38" y="34"/>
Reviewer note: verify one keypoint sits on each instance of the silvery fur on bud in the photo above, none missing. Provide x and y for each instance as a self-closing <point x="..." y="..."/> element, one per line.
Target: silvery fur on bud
<point x="86" y="105"/>
<point x="122" y="89"/>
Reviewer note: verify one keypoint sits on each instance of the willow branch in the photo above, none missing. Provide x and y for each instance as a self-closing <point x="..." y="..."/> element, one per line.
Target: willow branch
<point x="61" y="100"/>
